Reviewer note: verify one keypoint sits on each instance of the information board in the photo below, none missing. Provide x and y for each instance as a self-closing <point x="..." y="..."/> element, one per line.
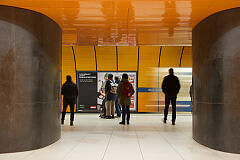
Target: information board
<point x="87" y="87"/>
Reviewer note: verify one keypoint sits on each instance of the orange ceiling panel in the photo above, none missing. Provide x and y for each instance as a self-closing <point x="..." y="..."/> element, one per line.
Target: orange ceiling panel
<point x="126" y="22"/>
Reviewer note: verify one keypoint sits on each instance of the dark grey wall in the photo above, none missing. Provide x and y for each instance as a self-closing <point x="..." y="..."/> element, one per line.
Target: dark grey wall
<point x="216" y="80"/>
<point x="30" y="77"/>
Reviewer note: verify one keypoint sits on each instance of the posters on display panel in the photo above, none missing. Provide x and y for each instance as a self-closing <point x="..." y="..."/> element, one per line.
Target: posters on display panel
<point x="102" y="77"/>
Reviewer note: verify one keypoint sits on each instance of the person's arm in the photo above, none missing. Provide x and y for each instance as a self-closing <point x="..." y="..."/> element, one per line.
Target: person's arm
<point x="76" y="90"/>
<point x="102" y="92"/>
<point x="178" y="86"/>
<point x="164" y="85"/>
<point x="119" y="90"/>
<point x="63" y="89"/>
<point x="132" y="90"/>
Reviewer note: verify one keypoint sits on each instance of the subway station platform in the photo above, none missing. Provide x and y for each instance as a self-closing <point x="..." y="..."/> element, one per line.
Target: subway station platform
<point x="146" y="138"/>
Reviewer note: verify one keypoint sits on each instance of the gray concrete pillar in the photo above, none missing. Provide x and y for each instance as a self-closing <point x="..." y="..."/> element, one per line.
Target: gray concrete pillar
<point x="30" y="78"/>
<point x="216" y="81"/>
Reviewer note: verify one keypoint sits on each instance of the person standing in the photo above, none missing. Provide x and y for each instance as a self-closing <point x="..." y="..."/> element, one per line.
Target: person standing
<point x="117" y="106"/>
<point x="170" y="88"/>
<point x="103" y="94"/>
<point x="70" y="92"/>
<point x="110" y="91"/>
<point x="124" y="92"/>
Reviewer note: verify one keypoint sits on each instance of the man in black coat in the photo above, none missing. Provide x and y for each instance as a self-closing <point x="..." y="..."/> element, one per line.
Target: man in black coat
<point x="110" y="97"/>
<point x="170" y="87"/>
<point x="70" y="92"/>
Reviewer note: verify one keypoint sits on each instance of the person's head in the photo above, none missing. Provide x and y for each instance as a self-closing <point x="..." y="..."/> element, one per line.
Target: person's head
<point x="125" y="76"/>
<point x="171" y="71"/>
<point x="106" y="76"/>
<point x="110" y="76"/>
<point x="69" y="78"/>
<point x="116" y="78"/>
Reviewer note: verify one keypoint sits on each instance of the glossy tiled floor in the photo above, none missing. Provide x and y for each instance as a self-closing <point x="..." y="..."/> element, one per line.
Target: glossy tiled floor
<point x="146" y="138"/>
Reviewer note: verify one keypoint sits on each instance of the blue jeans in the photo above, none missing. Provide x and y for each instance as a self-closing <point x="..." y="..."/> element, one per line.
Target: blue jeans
<point x="117" y="107"/>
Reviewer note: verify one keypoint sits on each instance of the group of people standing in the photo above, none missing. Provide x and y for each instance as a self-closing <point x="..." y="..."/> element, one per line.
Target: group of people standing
<point x="119" y="93"/>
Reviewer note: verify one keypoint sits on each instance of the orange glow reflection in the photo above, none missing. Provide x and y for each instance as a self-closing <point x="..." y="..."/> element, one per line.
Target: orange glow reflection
<point x="126" y="22"/>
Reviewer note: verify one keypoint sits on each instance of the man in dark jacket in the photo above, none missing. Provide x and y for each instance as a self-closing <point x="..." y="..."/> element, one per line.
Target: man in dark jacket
<point x="70" y="92"/>
<point x="170" y="87"/>
<point x="110" y="97"/>
<point x="117" y="106"/>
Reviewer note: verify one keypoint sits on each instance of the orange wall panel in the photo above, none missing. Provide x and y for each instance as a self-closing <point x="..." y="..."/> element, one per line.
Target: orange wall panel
<point x="187" y="57"/>
<point x="85" y="58"/>
<point x="170" y="56"/>
<point x="127" y="58"/>
<point x="148" y="60"/>
<point x="106" y="58"/>
<point x="68" y="65"/>
<point x="147" y="102"/>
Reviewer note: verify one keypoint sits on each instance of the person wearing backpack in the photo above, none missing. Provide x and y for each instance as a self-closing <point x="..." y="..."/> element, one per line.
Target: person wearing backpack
<point x="70" y="92"/>
<point x="124" y="92"/>
<point x="111" y="93"/>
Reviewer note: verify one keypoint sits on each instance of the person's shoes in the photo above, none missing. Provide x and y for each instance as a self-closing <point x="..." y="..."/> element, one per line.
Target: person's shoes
<point x="112" y="117"/>
<point x="122" y="123"/>
<point x="62" y="122"/>
<point x="102" y="116"/>
<point x="173" y="123"/>
<point x="108" y="117"/>
<point x="165" y="121"/>
<point x="71" y="123"/>
<point x="128" y="123"/>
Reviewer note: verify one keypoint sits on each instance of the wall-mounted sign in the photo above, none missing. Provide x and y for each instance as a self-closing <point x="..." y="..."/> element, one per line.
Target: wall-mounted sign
<point x="87" y="91"/>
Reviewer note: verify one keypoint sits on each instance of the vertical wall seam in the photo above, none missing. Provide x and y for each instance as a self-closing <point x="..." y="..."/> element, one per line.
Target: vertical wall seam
<point x="75" y="63"/>
<point x="95" y="57"/>
<point x="138" y="77"/>
<point x="117" y="57"/>
<point x="180" y="63"/>
<point x="138" y="59"/>
<point x="159" y="59"/>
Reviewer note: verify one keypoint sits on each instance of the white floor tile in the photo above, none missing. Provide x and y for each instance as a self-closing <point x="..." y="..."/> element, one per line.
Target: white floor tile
<point x="14" y="156"/>
<point x="146" y="138"/>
